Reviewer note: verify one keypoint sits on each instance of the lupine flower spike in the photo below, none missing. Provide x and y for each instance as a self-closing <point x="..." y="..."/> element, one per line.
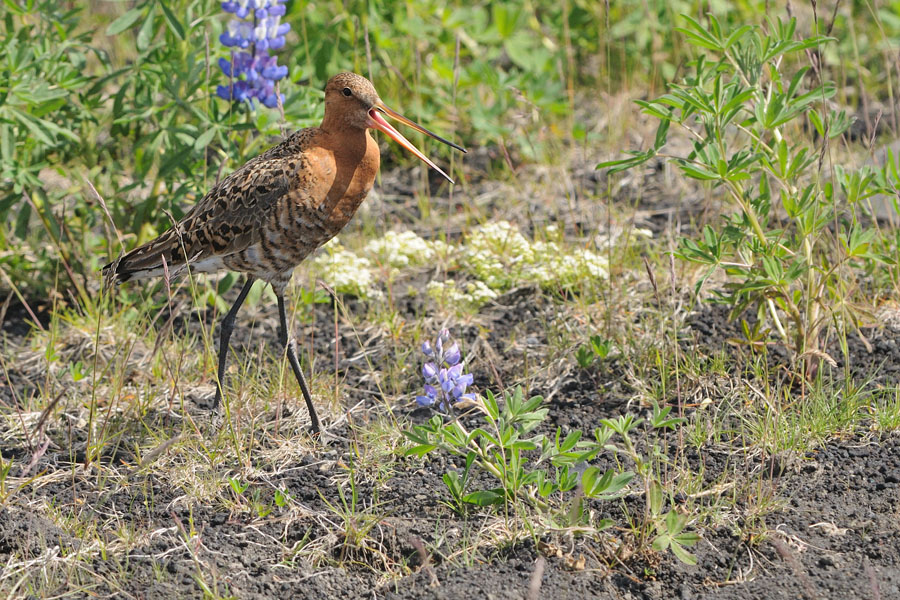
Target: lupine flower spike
<point x="256" y="29"/>
<point x="445" y="382"/>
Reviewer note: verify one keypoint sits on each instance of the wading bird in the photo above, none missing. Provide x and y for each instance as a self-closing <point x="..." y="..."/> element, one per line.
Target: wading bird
<point x="270" y="214"/>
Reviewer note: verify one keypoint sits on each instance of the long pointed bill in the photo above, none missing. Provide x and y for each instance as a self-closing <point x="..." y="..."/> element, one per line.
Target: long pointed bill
<point x="376" y="121"/>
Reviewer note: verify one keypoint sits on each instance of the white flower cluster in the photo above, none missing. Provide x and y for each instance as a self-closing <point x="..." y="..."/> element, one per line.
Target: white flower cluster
<point x="553" y="267"/>
<point x="404" y="249"/>
<point x="498" y="254"/>
<point x="448" y="293"/>
<point x="346" y="272"/>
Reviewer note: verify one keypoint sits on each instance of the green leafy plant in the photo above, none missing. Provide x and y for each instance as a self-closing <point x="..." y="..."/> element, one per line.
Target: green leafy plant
<point x="550" y="474"/>
<point x="672" y="535"/>
<point x="596" y="349"/>
<point x="45" y="99"/>
<point x="646" y="464"/>
<point x="503" y="448"/>
<point x="796" y="240"/>
<point x="357" y="521"/>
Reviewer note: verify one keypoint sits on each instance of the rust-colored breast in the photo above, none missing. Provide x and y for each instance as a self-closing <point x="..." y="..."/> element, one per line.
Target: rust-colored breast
<point x="348" y="164"/>
<point x="326" y="183"/>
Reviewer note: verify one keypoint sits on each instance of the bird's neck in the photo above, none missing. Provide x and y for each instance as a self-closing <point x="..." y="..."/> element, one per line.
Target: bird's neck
<point x="350" y="142"/>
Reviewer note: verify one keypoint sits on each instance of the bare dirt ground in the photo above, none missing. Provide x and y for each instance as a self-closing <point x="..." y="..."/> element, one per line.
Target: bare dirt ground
<point x="833" y="531"/>
<point x="836" y="533"/>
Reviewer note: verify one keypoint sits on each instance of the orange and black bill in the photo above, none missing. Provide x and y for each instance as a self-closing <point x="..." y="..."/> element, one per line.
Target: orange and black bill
<point x="377" y="122"/>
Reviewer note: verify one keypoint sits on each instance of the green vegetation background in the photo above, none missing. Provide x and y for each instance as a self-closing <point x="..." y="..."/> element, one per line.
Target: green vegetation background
<point x="120" y="95"/>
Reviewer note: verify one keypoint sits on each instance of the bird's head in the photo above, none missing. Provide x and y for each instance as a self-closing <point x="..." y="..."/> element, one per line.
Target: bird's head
<point x="351" y="101"/>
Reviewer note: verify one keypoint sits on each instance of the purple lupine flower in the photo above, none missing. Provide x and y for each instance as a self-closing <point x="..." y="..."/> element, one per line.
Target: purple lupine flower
<point x="445" y="382"/>
<point x="255" y="30"/>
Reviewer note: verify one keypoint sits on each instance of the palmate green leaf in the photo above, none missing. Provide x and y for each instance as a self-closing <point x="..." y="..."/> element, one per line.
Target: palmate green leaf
<point x="660" y="418"/>
<point x="533" y="477"/>
<point x="531" y="404"/>
<point x="490" y="403"/>
<point x="204" y="139"/>
<point x="698" y="35"/>
<point x="605" y="487"/>
<point x="453" y="482"/>
<point x="823" y="92"/>
<point x="522" y="446"/>
<point x="816" y="122"/>
<point x="735" y="102"/>
<point x="687" y="538"/>
<point x="662" y="134"/>
<point x="736" y="35"/>
<point x="696" y="98"/>
<point x="568" y="443"/>
<point x="29" y="123"/>
<point x="797" y="269"/>
<point x="506" y="17"/>
<point x="6" y="142"/>
<point x="174" y="24"/>
<point x="857" y="242"/>
<point x="795" y="81"/>
<point x="147" y="30"/>
<point x="22" y="220"/>
<point x="485" y="497"/>
<point x="692" y="252"/>
<point x="665" y="100"/>
<point x="420" y="437"/>
<point x="652" y="109"/>
<point x="623" y="164"/>
<point x="682" y="554"/>
<point x="507" y="434"/>
<point x="454" y="434"/>
<point x="44" y="129"/>
<point x="696" y="172"/>
<point x="42" y="93"/>
<point x="593" y="483"/>
<point x="125" y="21"/>
<point x="812" y="42"/>
<point x="660" y="543"/>
<point x="481" y="433"/>
<point x="14" y="7"/>
<point x="604" y="524"/>
<point x="837" y="123"/>
<point x="176" y="160"/>
<point x="773" y="268"/>
<point x="655" y="497"/>
<point x="420" y="450"/>
<point x="675" y="522"/>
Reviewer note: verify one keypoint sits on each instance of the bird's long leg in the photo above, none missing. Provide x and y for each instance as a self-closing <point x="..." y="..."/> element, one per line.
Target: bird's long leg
<point x="289" y="344"/>
<point x="227" y="327"/>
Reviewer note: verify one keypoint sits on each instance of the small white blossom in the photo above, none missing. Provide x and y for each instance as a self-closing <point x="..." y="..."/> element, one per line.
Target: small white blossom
<point x="553" y="267"/>
<point x="500" y="256"/>
<point x="496" y="253"/>
<point x="480" y="293"/>
<point x="448" y="293"/>
<point x="346" y="272"/>
<point x="404" y="249"/>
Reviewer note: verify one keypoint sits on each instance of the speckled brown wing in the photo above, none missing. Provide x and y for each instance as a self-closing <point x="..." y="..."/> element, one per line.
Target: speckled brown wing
<point x="225" y="221"/>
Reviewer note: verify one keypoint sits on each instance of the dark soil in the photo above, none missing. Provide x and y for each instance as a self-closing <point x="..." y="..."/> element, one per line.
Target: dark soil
<point x="836" y="535"/>
<point x="834" y="531"/>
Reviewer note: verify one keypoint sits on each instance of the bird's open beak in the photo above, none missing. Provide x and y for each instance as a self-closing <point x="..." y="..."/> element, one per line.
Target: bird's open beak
<point x="376" y="121"/>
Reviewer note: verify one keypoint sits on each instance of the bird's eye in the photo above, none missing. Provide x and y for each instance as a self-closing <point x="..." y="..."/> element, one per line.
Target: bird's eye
<point x="347" y="92"/>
